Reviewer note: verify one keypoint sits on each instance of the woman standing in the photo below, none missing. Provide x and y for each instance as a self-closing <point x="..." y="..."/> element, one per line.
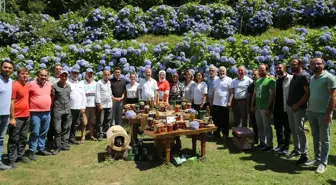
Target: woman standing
<point x="200" y="92"/>
<point x="188" y="86"/>
<point x="131" y="89"/>
<point x="164" y="88"/>
<point x="176" y="89"/>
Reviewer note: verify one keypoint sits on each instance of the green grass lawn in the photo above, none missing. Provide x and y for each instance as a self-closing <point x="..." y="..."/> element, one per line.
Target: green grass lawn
<point x="223" y="165"/>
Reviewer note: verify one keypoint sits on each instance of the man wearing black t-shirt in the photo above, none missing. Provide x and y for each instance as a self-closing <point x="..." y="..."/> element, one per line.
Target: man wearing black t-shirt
<point x="250" y="91"/>
<point x="296" y="110"/>
<point x="118" y="87"/>
<point x="281" y="124"/>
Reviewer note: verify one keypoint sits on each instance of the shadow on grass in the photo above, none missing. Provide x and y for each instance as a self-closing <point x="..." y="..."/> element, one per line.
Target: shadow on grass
<point x="147" y="165"/>
<point x="331" y="182"/>
<point x="275" y="163"/>
<point x="332" y="160"/>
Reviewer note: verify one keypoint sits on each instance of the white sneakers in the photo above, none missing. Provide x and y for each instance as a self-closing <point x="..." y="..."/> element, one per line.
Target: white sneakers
<point x="321" y="168"/>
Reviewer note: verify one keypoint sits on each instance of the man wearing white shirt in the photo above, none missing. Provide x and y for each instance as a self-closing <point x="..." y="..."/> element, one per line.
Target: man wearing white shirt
<point x="221" y="102"/>
<point x="90" y="111"/>
<point x="104" y="104"/>
<point x="239" y="104"/>
<point x="78" y="102"/>
<point x="147" y="89"/>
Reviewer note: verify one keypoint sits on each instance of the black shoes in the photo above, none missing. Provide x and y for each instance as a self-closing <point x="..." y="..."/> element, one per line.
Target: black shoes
<point x="44" y="152"/>
<point x="23" y="160"/>
<point x="268" y="149"/>
<point x="73" y="142"/>
<point x="32" y="156"/>
<point x="293" y="154"/>
<point x="303" y="159"/>
<point x="56" y="151"/>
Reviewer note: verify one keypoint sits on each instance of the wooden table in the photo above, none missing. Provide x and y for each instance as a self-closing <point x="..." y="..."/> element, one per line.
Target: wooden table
<point x="168" y="136"/>
<point x="134" y="123"/>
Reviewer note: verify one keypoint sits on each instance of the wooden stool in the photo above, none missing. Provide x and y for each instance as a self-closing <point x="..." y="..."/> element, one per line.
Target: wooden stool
<point x="243" y="138"/>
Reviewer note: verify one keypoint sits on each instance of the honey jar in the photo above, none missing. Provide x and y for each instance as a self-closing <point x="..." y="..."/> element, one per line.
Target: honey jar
<point x="169" y="127"/>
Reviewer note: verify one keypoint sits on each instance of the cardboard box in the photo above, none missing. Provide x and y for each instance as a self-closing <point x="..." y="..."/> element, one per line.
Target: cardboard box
<point x="243" y="138"/>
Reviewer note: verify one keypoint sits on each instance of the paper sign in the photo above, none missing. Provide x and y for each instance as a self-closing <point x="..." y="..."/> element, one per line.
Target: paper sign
<point x="171" y="119"/>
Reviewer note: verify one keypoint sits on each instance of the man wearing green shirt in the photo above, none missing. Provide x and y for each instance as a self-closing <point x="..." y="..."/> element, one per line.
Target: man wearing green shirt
<point x="321" y="103"/>
<point x="263" y="98"/>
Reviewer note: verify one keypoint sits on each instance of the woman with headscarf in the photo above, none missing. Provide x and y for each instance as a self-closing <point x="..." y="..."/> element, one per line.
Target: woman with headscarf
<point x="164" y="88"/>
<point x="188" y="85"/>
<point x="200" y="92"/>
<point x="176" y="89"/>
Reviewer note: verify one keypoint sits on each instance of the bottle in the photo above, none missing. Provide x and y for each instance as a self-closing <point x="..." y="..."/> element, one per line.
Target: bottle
<point x="207" y="111"/>
<point x="157" y="115"/>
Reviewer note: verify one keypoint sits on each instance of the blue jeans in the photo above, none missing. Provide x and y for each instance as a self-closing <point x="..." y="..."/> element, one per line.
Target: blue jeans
<point x="321" y="136"/>
<point x="40" y="122"/>
<point x="4" y="121"/>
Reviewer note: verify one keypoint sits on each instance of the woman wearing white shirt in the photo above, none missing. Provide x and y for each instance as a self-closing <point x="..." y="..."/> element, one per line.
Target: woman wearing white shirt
<point x="200" y="92"/>
<point x="131" y="89"/>
<point x="188" y="86"/>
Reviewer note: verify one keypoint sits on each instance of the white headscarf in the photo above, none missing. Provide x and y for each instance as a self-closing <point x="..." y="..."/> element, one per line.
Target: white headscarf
<point x="164" y="72"/>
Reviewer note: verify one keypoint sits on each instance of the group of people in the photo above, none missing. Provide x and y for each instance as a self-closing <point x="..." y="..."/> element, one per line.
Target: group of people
<point x="54" y="107"/>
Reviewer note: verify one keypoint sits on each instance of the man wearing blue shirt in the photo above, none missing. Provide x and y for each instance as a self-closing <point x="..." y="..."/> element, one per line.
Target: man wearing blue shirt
<point x="5" y="98"/>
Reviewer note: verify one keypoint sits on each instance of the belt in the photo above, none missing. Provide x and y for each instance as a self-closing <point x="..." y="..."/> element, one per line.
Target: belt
<point x="240" y="99"/>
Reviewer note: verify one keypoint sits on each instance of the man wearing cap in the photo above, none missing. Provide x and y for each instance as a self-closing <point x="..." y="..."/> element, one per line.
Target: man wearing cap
<point x="104" y="104"/>
<point x="118" y="87"/>
<point x="53" y="79"/>
<point x="90" y="87"/>
<point x="5" y="98"/>
<point x="39" y="105"/>
<point x="77" y="102"/>
<point x="61" y="117"/>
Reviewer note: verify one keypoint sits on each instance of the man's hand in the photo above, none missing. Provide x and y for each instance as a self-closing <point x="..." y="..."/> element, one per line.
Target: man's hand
<point x="252" y="109"/>
<point x="228" y="104"/>
<point x="99" y="107"/>
<point x="82" y="111"/>
<point x="295" y="107"/>
<point x="268" y="112"/>
<point x="12" y="122"/>
<point x="327" y="118"/>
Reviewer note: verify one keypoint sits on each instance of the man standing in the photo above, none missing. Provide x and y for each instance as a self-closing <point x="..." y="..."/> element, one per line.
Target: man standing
<point x="56" y="76"/>
<point x="39" y="105"/>
<point x="239" y="90"/>
<point x="298" y="96"/>
<point x="19" y="123"/>
<point x="281" y="123"/>
<point x="322" y="102"/>
<point x="53" y="79"/>
<point x="221" y="102"/>
<point x="263" y="97"/>
<point x="5" y="98"/>
<point x="61" y="113"/>
<point x="104" y="104"/>
<point x="90" y="87"/>
<point x="118" y="87"/>
<point x="212" y="77"/>
<point x="253" y="122"/>
<point x="148" y="88"/>
<point x="78" y="103"/>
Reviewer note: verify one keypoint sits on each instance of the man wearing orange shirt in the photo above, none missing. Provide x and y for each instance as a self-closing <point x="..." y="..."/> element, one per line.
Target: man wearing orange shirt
<point x="19" y="124"/>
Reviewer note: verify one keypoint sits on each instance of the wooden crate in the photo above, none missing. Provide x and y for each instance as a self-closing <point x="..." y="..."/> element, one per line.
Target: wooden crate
<point x="243" y="138"/>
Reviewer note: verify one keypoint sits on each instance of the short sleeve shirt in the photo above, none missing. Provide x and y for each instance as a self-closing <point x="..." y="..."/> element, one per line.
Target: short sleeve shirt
<point x="319" y="92"/>
<point x="148" y="88"/>
<point x="132" y="90"/>
<point x="262" y="87"/>
<point x="62" y="101"/>
<point x="222" y="91"/>
<point x="5" y="95"/>
<point x="200" y="89"/>
<point x="118" y="87"/>
<point x="39" y="96"/>
<point x="21" y="103"/>
<point x="240" y="87"/>
<point x="296" y="88"/>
